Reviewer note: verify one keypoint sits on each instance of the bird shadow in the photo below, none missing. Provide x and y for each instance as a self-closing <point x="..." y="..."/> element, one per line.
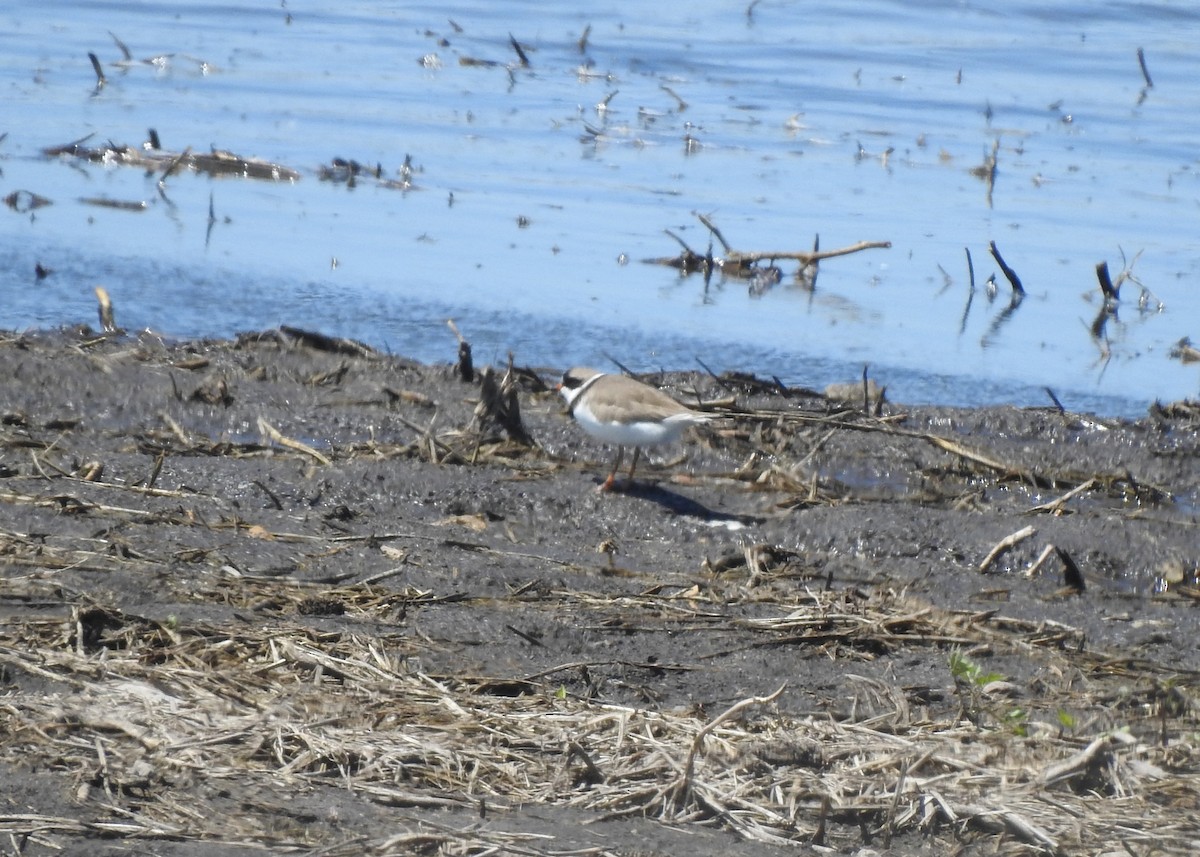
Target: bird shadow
<point x="678" y="504"/>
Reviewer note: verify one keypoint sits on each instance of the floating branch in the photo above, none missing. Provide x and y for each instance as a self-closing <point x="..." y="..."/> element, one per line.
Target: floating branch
<point x="712" y="228"/>
<point x="805" y="258"/>
<point x="116" y="204"/>
<point x="743" y="265"/>
<point x="217" y="162"/>
<point x="170" y="169"/>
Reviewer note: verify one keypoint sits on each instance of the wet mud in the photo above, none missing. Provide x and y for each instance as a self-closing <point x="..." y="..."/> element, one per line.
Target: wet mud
<point x="287" y="593"/>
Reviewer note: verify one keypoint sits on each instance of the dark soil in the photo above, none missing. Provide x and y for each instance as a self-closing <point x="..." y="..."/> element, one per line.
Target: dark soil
<point x="157" y="496"/>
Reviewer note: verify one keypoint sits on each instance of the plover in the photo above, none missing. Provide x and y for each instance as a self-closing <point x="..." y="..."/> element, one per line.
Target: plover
<point x="620" y="410"/>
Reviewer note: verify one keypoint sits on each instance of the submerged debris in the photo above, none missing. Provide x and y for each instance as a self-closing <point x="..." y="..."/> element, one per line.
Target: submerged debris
<point x="26" y="200"/>
<point x="737" y="264"/>
<point x="217" y="162"/>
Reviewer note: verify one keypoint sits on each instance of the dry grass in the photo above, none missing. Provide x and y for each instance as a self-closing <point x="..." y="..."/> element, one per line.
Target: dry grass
<point x="138" y="709"/>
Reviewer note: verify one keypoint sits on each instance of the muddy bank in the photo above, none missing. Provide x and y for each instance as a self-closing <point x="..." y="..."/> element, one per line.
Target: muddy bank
<point x="290" y="593"/>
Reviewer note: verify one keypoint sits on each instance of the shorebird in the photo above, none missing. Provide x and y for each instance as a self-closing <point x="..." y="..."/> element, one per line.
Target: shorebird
<point x="620" y="410"/>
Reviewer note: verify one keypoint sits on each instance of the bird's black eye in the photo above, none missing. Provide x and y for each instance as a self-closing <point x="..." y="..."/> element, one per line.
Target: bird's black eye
<point x="571" y="381"/>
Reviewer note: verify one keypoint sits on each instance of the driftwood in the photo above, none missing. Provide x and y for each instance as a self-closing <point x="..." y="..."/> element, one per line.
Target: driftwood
<point x="218" y="162"/>
<point x="744" y="265"/>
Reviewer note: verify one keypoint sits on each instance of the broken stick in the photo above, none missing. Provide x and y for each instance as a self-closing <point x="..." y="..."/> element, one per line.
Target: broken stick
<point x="1003" y="545"/>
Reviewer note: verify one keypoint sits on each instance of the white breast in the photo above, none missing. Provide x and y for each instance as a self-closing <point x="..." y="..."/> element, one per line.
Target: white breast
<point x="644" y="433"/>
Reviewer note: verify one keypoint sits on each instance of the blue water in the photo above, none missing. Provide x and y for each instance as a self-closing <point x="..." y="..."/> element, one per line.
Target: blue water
<point x="854" y="121"/>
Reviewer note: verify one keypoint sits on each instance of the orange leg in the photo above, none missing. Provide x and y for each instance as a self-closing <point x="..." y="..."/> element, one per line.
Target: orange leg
<point x="607" y="484"/>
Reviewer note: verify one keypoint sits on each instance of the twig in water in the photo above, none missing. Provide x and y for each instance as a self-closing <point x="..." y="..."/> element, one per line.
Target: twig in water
<point x="712" y="227"/>
<point x="603" y="105"/>
<point x="680" y="104"/>
<point x="1009" y="273"/>
<point x="804" y="258"/>
<point x="1110" y="291"/>
<point x="682" y="243"/>
<point x="987" y="170"/>
<point x="174" y="165"/>
<point x="520" y="51"/>
<point x="812" y="266"/>
<point x="1141" y="55"/>
<point x="962" y="326"/>
<point x="128" y="54"/>
<point x="100" y="80"/>
<point x="212" y="220"/>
